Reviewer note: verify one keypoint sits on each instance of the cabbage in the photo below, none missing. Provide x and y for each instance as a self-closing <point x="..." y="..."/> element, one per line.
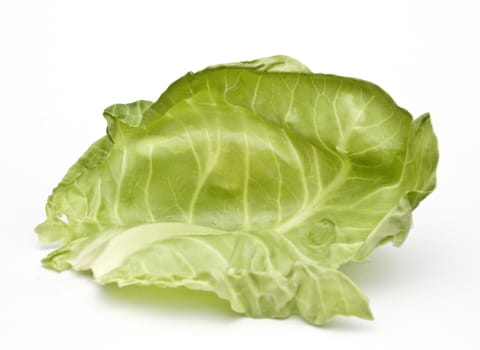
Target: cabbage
<point x="254" y="180"/>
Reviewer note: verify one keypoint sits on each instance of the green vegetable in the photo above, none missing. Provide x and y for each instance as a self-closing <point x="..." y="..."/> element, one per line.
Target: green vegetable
<point x="254" y="180"/>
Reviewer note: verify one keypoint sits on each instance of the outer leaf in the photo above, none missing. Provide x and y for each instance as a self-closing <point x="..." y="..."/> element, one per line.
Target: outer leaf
<point x="253" y="180"/>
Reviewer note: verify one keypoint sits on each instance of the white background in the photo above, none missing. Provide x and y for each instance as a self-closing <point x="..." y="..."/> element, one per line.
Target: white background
<point x="63" y="62"/>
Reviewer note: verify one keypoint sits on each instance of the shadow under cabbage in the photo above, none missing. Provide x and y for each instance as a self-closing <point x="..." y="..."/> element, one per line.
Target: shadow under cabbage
<point x="386" y="268"/>
<point x="167" y="300"/>
<point x="175" y="301"/>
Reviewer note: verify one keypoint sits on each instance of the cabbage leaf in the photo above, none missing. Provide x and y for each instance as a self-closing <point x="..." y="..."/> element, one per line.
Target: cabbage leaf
<point x="254" y="180"/>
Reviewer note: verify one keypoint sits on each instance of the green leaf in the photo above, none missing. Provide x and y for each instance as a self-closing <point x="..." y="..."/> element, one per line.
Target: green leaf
<point x="253" y="180"/>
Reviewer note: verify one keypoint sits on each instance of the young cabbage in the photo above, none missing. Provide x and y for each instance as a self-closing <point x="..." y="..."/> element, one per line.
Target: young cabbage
<point x="253" y="180"/>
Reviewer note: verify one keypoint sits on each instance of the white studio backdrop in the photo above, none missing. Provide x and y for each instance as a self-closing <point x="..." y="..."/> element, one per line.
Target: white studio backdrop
<point x="63" y="62"/>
